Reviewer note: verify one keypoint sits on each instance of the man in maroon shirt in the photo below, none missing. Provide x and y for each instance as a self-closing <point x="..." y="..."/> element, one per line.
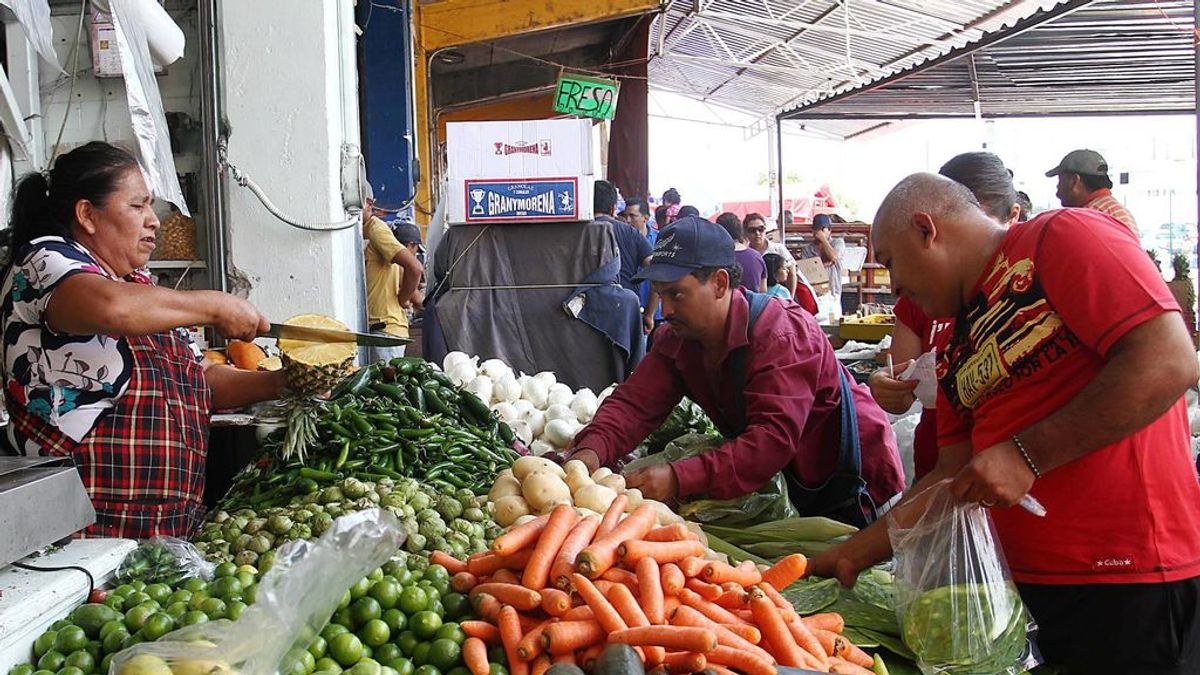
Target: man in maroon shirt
<point x="776" y="392"/>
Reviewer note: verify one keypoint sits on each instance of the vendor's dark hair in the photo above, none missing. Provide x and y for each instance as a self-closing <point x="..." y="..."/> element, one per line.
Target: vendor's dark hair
<point x="984" y="174"/>
<point x="732" y="225"/>
<point x="774" y="263"/>
<point x="735" y="274"/>
<point x="43" y="205"/>
<point x="751" y="217"/>
<point x="1093" y="182"/>
<point x="671" y="196"/>
<point x="604" y="197"/>
<point x="660" y="216"/>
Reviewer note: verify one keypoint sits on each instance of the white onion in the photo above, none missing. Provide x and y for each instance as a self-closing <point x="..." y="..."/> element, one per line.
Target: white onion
<point x="560" y="412"/>
<point x="482" y="387"/>
<point x="536" y="420"/>
<point x="495" y="369"/>
<point x="540" y="447"/>
<point x="547" y="378"/>
<point x="506" y="389"/>
<point x="523" y="407"/>
<point x="560" y="432"/>
<point x="535" y="391"/>
<point x="454" y="358"/>
<point x="522" y="431"/>
<point x="462" y="373"/>
<point x="559" y="394"/>
<point x="584" y="405"/>
<point x="507" y="412"/>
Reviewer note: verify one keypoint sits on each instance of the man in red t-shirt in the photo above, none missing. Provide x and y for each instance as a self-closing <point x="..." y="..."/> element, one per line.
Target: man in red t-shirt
<point x="1063" y="379"/>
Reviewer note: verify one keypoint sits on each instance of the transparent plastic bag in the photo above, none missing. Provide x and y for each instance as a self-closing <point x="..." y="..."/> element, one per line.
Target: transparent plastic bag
<point x="924" y="371"/>
<point x="164" y="560"/>
<point x="770" y="502"/>
<point x="958" y="607"/>
<point x="296" y="597"/>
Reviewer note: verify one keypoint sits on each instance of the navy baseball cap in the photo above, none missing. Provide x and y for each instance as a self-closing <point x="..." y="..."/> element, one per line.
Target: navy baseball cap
<point x="822" y="221"/>
<point x="406" y="233"/>
<point x="686" y="245"/>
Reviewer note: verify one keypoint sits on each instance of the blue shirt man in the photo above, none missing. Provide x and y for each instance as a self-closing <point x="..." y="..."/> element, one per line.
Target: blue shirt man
<point x="634" y="249"/>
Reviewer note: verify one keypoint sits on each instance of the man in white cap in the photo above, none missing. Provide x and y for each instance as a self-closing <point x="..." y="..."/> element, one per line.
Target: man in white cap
<point x="1083" y="182"/>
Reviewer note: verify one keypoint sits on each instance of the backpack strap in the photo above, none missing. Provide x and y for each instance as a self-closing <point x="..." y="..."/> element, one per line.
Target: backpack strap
<point x="737" y="361"/>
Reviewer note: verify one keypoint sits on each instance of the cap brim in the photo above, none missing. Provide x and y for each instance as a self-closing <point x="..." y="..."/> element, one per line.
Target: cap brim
<point x="663" y="273"/>
<point x="1054" y="172"/>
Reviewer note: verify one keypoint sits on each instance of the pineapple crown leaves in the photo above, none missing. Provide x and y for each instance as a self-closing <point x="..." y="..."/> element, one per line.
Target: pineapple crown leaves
<point x="1181" y="266"/>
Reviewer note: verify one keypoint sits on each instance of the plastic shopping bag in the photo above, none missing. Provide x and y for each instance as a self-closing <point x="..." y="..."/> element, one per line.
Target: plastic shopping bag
<point x="958" y="607"/>
<point x="924" y="371"/>
<point x="296" y="597"/>
<point x="164" y="559"/>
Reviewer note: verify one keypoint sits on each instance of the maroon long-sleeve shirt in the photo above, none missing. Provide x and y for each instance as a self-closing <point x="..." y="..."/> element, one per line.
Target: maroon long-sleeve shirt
<point x="792" y="417"/>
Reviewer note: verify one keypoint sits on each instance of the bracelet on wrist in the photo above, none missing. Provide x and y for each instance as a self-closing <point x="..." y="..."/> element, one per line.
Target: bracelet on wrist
<point x="1037" y="473"/>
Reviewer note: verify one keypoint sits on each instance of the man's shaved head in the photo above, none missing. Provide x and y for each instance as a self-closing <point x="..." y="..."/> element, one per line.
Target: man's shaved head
<point x="930" y="232"/>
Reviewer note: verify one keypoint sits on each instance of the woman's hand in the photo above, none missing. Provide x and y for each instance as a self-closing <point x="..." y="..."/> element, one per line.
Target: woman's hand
<point x="893" y="395"/>
<point x="238" y="319"/>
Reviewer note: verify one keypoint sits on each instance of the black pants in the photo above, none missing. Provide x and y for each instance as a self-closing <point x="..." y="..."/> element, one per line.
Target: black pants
<point x="1122" y="629"/>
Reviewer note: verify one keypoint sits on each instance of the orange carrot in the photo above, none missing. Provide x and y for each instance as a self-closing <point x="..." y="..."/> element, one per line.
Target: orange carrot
<point x="612" y="516"/>
<point x="691" y="567"/>
<point x="463" y="582"/>
<point x="650" y="590"/>
<point x="663" y="551"/>
<point x="670" y="604"/>
<point x="704" y="589"/>
<point x="486" y="606"/>
<point x="505" y="577"/>
<point x="620" y="576"/>
<point x="731" y="600"/>
<point x="588" y="657"/>
<point x="581" y="613"/>
<point x="843" y="666"/>
<point x="554" y="601"/>
<point x="785" y="572"/>
<point x="678" y="638"/>
<point x="776" y="633"/>
<point x="684" y="662"/>
<point x="672" y="579"/>
<point x="537" y="571"/>
<point x="530" y="645"/>
<point x="520" y="597"/>
<point x="805" y="638"/>
<point x="565" y="657"/>
<point x="605" y="613"/>
<point x="602" y="553"/>
<point x="743" y="661"/>
<point x="540" y="665"/>
<point x="627" y="606"/>
<point x="827" y="621"/>
<point x="481" y="630"/>
<point x="510" y="636"/>
<point x="520" y="536"/>
<point x="568" y="636"/>
<point x="744" y="614"/>
<point x="474" y="653"/>
<point x="674" y="532"/>
<point x="485" y="564"/>
<point x="857" y="656"/>
<point x="717" y="572"/>
<point x="604" y="585"/>
<point x="745" y="631"/>
<point x="564" y="563"/>
<point x="528" y="622"/>
<point x="831" y="642"/>
<point x="712" y="611"/>
<point x="453" y="565"/>
<point x="686" y="616"/>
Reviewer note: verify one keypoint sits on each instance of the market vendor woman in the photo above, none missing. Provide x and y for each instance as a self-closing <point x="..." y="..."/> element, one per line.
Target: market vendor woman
<point x="96" y="363"/>
<point x="767" y="376"/>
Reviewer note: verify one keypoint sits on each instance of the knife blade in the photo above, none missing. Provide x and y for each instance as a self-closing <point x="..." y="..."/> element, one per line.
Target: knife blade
<point x="281" y="331"/>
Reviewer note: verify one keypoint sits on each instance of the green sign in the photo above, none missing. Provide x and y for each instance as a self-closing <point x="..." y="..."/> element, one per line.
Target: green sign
<point x="586" y="96"/>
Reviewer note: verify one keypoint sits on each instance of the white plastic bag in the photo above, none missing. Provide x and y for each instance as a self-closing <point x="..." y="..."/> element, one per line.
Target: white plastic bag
<point x="958" y="607"/>
<point x="924" y="371"/>
<point x="296" y="597"/>
<point x="164" y="559"/>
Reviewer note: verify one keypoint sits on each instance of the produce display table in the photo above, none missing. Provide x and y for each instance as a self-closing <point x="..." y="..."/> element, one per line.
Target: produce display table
<point x="31" y="601"/>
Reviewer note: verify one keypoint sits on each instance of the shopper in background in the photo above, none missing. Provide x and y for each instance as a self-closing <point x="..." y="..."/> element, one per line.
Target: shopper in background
<point x="634" y="249"/>
<point x="671" y="200"/>
<point x="98" y="362"/>
<point x="829" y="249"/>
<point x="393" y="275"/>
<point x="755" y="227"/>
<point x="985" y="175"/>
<point x="1064" y="379"/>
<point x="754" y="270"/>
<point x="776" y="276"/>
<point x="635" y="214"/>
<point x="1026" y="205"/>
<point x="661" y="217"/>
<point x="772" y="385"/>
<point x="1083" y="182"/>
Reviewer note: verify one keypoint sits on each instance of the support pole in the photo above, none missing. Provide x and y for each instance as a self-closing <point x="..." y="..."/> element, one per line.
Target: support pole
<point x="1196" y="82"/>
<point x="779" y="179"/>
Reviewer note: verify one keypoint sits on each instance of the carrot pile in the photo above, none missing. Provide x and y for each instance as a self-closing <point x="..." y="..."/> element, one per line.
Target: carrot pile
<point x="558" y="588"/>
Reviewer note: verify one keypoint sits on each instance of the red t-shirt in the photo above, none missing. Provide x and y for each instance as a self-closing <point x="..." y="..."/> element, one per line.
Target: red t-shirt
<point x="1061" y="291"/>
<point x="932" y="334"/>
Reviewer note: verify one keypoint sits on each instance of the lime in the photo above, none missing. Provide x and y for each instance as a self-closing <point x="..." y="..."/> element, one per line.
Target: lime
<point x="413" y="599"/>
<point x="225" y="569"/>
<point x="51" y="660"/>
<point x="244" y="578"/>
<point x="95" y="648"/>
<point x="402" y="666"/>
<point x="346" y="649"/>
<point x="158" y="592"/>
<point x="248" y="569"/>
<point x="375" y="633"/>
<point x="451" y="631"/>
<point x="157" y="625"/>
<point x="21" y="669"/>
<point x="365" y="609"/>
<point x="71" y="670"/>
<point x="136" y="598"/>
<point x="182" y="595"/>
<point x="425" y="624"/>
<point x="43" y="671"/>
<point x="122" y="590"/>
<point x="318" y="647"/>
<point x="368" y="652"/>
<point x="346" y="600"/>
<point x="70" y="639"/>
<point x="497" y="669"/>
<point x="309" y="661"/>
<point x="456" y="605"/>
<point x="138" y="585"/>
<point x="109" y="627"/>
<point x="44" y="643"/>
<point x="113" y="641"/>
<point x="426" y="670"/>
<point x="197" y="599"/>
<point x="60" y="624"/>
<point x="333" y="630"/>
<point x="328" y="665"/>
<point x="215" y="608"/>
<point x="388" y="652"/>
<point x="436" y="607"/>
<point x="404" y="578"/>
<point x="195" y="584"/>
<point x="117" y="602"/>
<point x="342" y="617"/>
<point x="407" y="642"/>
<point x="376" y="574"/>
<point x="444" y="653"/>
<point x="360" y="589"/>
<point x="193" y="617"/>
<point x="366" y="667"/>
<point x="249" y="593"/>
<point x="176" y="609"/>
<point x="81" y="660"/>
<point x="136" y="617"/>
<point x="132" y="640"/>
<point x="104" y="663"/>
<point x="436" y="573"/>
<point x="396" y="620"/>
<point x="388" y="670"/>
<point x="386" y="591"/>
<point x="226" y="588"/>
<point x="420" y="655"/>
<point x="235" y="610"/>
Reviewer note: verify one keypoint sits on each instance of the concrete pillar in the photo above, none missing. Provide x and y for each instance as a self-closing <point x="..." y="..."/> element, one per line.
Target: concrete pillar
<point x="290" y="82"/>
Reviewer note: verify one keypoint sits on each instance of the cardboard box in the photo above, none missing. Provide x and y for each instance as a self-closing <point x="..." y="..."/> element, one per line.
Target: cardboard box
<point x="522" y="149"/>
<point x="814" y="270"/>
<point x="524" y="200"/>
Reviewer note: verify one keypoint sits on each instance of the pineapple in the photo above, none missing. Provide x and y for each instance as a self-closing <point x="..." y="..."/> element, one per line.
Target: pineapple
<point x="1184" y="290"/>
<point x="315" y="367"/>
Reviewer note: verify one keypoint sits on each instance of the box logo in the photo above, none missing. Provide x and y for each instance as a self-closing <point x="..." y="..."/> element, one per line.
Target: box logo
<point x="522" y="201"/>
<point x="522" y="148"/>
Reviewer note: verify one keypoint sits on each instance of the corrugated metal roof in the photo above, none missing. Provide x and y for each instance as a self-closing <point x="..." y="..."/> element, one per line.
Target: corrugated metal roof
<point x="764" y="55"/>
<point x="1111" y="57"/>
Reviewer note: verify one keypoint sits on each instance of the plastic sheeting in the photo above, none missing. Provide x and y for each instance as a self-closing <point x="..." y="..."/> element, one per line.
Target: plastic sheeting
<point x="145" y="104"/>
<point x="34" y="17"/>
<point x="500" y="292"/>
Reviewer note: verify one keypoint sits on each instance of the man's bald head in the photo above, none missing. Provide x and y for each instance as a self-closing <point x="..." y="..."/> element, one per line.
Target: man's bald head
<point x="942" y="199"/>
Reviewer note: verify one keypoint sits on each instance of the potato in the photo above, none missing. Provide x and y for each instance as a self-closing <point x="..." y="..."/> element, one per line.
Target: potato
<point x="575" y="466"/>
<point x="601" y="473"/>
<point x="525" y="466"/>
<point x="505" y="486"/>
<point x="542" y="490"/>
<point x="634" y="497"/>
<point x="577" y="481"/>
<point x="508" y="509"/>
<point x="524" y="519"/>
<point x="616" y="482"/>
<point x="595" y="497"/>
